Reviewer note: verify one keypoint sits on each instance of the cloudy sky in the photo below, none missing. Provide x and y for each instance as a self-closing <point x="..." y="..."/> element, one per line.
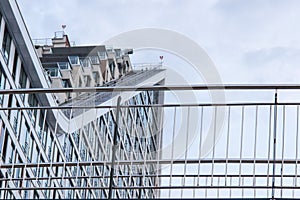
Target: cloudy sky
<point x="249" y="41"/>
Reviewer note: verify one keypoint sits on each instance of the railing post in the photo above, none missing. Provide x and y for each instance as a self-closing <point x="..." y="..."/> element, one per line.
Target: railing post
<point x="274" y="145"/>
<point x="114" y="148"/>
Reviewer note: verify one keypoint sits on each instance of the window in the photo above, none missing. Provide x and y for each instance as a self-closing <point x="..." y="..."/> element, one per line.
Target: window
<point x="39" y="126"/>
<point x="14" y="69"/>
<point x="25" y="132"/>
<point x="63" y="65"/>
<point x="6" y="44"/>
<point x="17" y="171"/>
<point x="118" y="53"/>
<point x="36" y="155"/>
<point x="32" y="102"/>
<point x="49" y="145"/>
<point x="31" y="152"/>
<point x="112" y="68"/>
<point x="45" y="136"/>
<point x="120" y="68"/>
<point x="2" y="78"/>
<point x="10" y="100"/>
<point x="2" y="138"/>
<point x="87" y="80"/>
<point x="66" y="83"/>
<point x="5" y="142"/>
<point x="80" y="83"/>
<point x="95" y="60"/>
<point x="102" y="55"/>
<point x="53" y="72"/>
<point x="96" y="77"/>
<point x="2" y="82"/>
<point x="23" y="78"/>
<point x="14" y="120"/>
<point x="74" y="60"/>
<point x="85" y="62"/>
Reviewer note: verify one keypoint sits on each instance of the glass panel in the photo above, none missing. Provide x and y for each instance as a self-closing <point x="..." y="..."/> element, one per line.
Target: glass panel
<point x="66" y="83"/>
<point x="85" y="62"/>
<point x="63" y="65"/>
<point x="14" y="69"/>
<point x="74" y="60"/>
<point x="53" y="72"/>
<point x="2" y="82"/>
<point x="6" y="44"/>
<point x="95" y="60"/>
<point x="96" y="77"/>
<point x="87" y="80"/>
<point x="23" y="78"/>
<point x="102" y="55"/>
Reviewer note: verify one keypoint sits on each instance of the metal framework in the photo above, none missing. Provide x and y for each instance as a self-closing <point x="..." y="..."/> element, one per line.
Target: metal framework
<point x="255" y="155"/>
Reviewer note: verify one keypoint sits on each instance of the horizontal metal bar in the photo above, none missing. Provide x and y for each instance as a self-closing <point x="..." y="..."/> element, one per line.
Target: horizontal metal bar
<point x="153" y="176"/>
<point x="142" y="162"/>
<point x="151" y="88"/>
<point x="152" y="187"/>
<point x="148" y="106"/>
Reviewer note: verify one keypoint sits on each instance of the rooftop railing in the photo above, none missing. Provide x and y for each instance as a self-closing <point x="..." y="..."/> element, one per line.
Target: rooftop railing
<point x="42" y="42"/>
<point x="146" y="66"/>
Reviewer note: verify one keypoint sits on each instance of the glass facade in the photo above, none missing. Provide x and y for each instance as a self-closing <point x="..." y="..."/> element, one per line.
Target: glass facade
<point x="52" y="163"/>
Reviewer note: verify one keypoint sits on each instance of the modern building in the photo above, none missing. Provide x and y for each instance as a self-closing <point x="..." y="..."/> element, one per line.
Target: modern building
<point x="49" y="152"/>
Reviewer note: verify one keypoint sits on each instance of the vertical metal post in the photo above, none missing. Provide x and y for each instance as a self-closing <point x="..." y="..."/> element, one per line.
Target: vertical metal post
<point x="227" y="146"/>
<point x="254" y="149"/>
<point x="214" y="146"/>
<point x="186" y="150"/>
<point x="114" y="148"/>
<point x="296" y="158"/>
<point x="241" y="146"/>
<point x="172" y="151"/>
<point x="141" y="184"/>
<point x="274" y="146"/>
<point x="282" y="150"/>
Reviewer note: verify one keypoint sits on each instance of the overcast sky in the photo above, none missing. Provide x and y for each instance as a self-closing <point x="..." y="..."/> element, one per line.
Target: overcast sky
<point x="250" y="41"/>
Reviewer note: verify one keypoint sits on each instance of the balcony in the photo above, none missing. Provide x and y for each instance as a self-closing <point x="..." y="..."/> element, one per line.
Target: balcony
<point x="102" y="55"/>
<point x="64" y="66"/>
<point x="54" y="72"/>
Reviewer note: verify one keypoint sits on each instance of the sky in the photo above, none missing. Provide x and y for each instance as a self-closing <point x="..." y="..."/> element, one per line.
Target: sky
<point x="249" y="41"/>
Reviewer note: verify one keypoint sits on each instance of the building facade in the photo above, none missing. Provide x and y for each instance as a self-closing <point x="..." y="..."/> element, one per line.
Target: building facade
<point x="67" y="153"/>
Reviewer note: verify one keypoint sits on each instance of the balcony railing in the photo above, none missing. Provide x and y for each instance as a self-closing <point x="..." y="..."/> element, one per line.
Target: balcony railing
<point x="54" y="72"/>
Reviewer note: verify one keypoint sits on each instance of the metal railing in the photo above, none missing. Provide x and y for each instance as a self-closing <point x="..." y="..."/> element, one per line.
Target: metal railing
<point x="146" y="66"/>
<point x="42" y="41"/>
<point x="255" y="154"/>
